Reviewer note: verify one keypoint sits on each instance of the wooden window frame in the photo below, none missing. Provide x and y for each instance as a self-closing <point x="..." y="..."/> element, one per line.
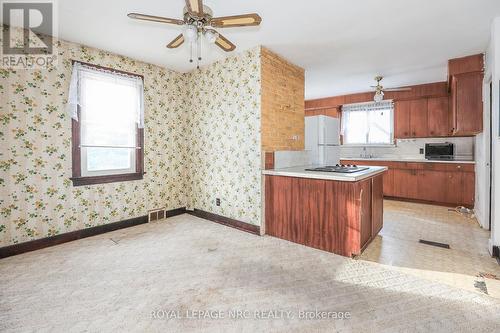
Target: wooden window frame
<point x="77" y="178"/>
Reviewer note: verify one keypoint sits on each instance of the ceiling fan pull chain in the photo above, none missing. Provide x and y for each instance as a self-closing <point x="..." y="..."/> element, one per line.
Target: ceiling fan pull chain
<point x="198" y="49"/>
<point x="190" y="51"/>
<point x="199" y="46"/>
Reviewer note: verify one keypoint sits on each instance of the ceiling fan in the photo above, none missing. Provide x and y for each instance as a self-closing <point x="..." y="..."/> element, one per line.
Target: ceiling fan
<point x="199" y="21"/>
<point x="379" y="89"/>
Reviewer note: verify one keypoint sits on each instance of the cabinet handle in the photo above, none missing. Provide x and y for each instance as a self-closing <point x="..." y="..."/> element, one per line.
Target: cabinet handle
<point x="459" y="167"/>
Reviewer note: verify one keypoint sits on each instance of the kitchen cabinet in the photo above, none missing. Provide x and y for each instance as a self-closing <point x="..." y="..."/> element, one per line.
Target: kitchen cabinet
<point x="388" y="181"/>
<point x="450" y="184"/>
<point x="433" y="185"/>
<point x="402" y="119"/>
<point x="336" y="216"/>
<point x="418" y="118"/>
<point x="438" y="117"/>
<point x="467" y="103"/>
<point x="411" y="119"/>
<point x="405" y="183"/>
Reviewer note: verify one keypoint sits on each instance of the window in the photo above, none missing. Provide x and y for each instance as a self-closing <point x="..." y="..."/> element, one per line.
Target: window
<point x="368" y="123"/>
<point x="107" y="110"/>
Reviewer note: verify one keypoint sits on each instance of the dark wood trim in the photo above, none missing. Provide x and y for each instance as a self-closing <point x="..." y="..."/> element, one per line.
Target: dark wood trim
<point x="38" y="244"/>
<point x="175" y="212"/>
<point x="76" y="154"/>
<point x="243" y="226"/>
<point x="428" y="90"/>
<point x="108" y="69"/>
<point x="269" y="160"/>
<point x="75" y="147"/>
<point x="69" y="236"/>
<point x="94" y="180"/>
<point x="496" y="251"/>
<point x="427" y="202"/>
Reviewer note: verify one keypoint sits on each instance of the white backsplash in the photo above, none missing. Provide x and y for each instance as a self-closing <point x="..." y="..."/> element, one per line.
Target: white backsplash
<point x="289" y="158"/>
<point x="410" y="148"/>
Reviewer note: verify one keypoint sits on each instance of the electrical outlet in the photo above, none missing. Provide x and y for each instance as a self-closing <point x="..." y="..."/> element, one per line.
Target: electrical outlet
<point x="422" y="151"/>
<point x="217" y="202"/>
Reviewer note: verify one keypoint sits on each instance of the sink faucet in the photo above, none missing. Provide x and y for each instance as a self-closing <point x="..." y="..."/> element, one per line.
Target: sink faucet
<point x="365" y="154"/>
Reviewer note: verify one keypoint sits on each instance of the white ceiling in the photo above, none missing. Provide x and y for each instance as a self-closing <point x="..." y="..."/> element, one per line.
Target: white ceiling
<point x="342" y="44"/>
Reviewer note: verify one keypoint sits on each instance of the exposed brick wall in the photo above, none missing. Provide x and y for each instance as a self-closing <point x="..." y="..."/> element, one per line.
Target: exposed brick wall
<point x="282" y="103"/>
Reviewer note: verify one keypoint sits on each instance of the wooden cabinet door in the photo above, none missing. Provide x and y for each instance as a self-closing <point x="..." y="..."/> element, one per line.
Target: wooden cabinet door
<point x="432" y="185"/>
<point x="438" y="117"/>
<point x="418" y="118"/>
<point x="377" y="204"/>
<point x="365" y="210"/>
<point x="467" y="90"/>
<point x="405" y="184"/>
<point x="468" y="188"/>
<point x="402" y="119"/>
<point x="454" y="187"/>
<point x="312" y="229"/>
<point x="388" y="183"/>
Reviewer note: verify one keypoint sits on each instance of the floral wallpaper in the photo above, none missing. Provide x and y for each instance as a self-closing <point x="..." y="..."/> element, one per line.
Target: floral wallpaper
<point x="224" y="130"/>
<point x="37" y="198"/>
<point x="202" y="142"/>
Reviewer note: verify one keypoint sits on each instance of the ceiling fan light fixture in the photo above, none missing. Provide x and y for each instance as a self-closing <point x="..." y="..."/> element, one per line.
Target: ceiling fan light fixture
<point x="211" y="36"/>
<point x="379" y="96"/>
<point x="190" y="33"/>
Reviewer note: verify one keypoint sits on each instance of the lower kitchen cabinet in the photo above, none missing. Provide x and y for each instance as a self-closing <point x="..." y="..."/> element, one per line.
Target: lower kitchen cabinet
<point x="342" y="217"/>
<point x="441" y="183"/>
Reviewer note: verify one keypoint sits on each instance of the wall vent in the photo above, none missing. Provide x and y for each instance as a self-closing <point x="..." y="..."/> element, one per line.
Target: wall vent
<point x="156" y="214"/>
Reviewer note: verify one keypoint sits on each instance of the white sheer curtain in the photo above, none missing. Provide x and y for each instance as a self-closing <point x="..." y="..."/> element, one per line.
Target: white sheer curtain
<point x="368" y="123"/>
<point x="112" y="81"/>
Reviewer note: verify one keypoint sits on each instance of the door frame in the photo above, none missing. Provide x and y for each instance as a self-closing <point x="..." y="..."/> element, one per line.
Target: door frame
<point x="488" y="151"/>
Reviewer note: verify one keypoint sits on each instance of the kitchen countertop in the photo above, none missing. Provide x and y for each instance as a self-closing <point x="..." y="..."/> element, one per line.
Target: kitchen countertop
<point x="403" y="159"/>
<point x="300" y="172"/>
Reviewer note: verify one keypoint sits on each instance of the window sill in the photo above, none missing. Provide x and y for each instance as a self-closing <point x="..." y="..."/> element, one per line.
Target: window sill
<point x="369" y="145"/>
<point x="94" y="180"/>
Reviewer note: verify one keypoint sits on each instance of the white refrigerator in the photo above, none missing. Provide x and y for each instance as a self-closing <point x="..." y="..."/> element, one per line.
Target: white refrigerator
<point x="322" y="139"/>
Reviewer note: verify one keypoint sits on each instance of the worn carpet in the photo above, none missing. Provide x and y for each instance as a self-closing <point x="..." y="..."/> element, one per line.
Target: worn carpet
<point x="186" y="274"/>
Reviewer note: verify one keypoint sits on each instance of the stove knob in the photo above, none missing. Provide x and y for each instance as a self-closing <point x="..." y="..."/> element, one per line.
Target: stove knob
<point x="337" y="165"/>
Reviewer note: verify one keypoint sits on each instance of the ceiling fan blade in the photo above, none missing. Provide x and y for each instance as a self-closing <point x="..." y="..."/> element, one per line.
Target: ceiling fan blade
<point x="152" y="18"/>
<point x="178" y="41"/>
<point x="224" y="43"/>
<point x="398" y="89"/>
<point x="236" y="21"/>
<point x="195" y="7"/>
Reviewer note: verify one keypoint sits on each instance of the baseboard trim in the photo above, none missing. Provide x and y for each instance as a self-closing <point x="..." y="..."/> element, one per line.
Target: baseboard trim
<point x="434" y="203"/>
<point x="175" y="212"/>
<point x="38" y="244"/>
<point x="496" y="251"/>
<point x="243" y="226"/>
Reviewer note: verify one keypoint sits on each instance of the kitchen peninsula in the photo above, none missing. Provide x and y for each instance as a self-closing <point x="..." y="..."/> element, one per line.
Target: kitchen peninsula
<point x="335" y="212"/>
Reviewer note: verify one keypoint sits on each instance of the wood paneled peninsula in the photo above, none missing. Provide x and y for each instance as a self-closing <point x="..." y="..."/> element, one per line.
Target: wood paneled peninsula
<point x="334" y="212"/>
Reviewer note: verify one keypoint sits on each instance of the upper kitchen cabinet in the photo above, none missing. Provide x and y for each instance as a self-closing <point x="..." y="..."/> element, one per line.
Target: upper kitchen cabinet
<point x="418" y="118"/>
<point x="466" y="86"/>
<point x="282" y="103"/>
<point x="402" y="119"/>
<point x="411" y="119"/>
<point x="438" y="115"/>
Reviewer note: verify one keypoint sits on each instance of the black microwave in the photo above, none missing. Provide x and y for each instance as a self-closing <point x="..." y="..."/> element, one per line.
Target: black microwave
<point x="439" y="151"/>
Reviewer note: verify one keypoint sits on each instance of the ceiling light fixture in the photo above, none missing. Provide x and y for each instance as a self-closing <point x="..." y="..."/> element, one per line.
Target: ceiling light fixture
<point x="190" y="33"/>
<point x="198" y="20"/>
<point x="379" y="96"/>
<point x="211" y="36"/>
